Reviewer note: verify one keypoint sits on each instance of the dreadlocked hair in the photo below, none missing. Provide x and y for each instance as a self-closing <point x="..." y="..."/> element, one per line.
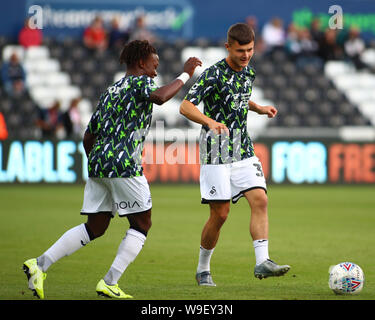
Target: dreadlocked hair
<point x="135" y="51"/>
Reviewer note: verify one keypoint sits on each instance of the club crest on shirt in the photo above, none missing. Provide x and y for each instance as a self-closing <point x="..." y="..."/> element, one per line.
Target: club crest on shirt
<point x="240" y="100"/>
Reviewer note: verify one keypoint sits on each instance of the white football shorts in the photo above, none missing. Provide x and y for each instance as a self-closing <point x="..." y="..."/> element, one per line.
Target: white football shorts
<point x="223" y="182"/>
<point x="122" y="195"/>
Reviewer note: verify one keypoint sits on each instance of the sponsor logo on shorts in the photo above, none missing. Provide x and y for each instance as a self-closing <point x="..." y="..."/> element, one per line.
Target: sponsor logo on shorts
<point x="213" y="190"/>
<point x="127" y="204"/>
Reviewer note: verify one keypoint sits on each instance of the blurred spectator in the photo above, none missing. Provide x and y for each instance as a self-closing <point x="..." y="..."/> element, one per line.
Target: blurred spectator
<point x="95" y="36"/>
<point x="315" y="31"/>
<point x="309" y="49"/>
<point x="141" y="31"/>
<point x="273" y="34"/>
<point x="13" y="76"/>
<point x="252" y="22"/>
<point x="72" y="120"/>
<point x="117" y="37"/>
<point x="259" y="43"/>
<point x="29" y="36"/>
<point x="3" y="128"/>
<point x="302" y="47"/>
<point x="329" y="49"/>
<point x="50" y="121"/>
<point x="292" y="44"/>
<point x="354" y="46"/>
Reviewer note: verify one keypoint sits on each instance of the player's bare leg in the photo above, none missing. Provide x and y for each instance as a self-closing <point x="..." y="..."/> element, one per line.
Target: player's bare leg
<point x="128" y="250"/>
<point x="211" y="230"/>
<point x="97" y="224"/>
<point x="140" y="221"/>
<point x="264" y="267"/>
<point x="210" y="235"/>
<point x="258" y="202"/>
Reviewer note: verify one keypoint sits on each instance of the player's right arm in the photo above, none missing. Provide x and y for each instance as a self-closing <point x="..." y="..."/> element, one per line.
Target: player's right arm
<point x="164" y="93"/>
<point x="190" y="111"/>
<point x="202" y="88"/>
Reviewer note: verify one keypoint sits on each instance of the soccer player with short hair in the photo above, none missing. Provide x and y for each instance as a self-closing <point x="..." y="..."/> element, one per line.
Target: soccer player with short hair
<point x="229" y="166"/>
<point x="113" y="143"/>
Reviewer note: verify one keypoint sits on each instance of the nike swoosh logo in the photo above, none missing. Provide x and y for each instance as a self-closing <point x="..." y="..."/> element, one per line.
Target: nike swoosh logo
<point x="115" y="293"/>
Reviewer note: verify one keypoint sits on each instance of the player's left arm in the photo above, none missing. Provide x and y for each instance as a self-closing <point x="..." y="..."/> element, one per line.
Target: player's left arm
<point x="270" y="111"/>
<point x="88" y="141"/>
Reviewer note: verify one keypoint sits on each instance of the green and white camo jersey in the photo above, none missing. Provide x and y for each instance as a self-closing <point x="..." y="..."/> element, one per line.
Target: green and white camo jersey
<point x="225" y="94"/>
<point x="121" y="122"/>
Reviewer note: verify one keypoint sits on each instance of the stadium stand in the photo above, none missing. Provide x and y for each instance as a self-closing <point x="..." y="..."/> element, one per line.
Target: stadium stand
<point x="333" y="96"/>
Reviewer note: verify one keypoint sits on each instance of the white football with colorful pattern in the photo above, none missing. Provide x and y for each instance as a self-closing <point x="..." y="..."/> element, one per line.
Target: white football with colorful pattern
<point x="346" y="278"/>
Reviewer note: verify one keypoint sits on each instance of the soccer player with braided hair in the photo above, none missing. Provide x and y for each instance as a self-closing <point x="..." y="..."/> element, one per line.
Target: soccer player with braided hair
<point x="113" y="142"/>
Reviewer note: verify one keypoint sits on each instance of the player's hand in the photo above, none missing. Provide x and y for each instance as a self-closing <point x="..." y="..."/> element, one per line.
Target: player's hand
<point x="270" y="111"/>
<point x="218" y="127"/>
<point x="191" y="64"/>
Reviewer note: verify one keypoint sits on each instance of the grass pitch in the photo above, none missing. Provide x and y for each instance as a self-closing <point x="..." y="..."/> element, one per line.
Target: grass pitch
<point x="311" y="228"/>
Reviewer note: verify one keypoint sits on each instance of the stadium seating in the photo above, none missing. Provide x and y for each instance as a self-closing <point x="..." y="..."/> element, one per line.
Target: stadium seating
<point x="306" y="96"/>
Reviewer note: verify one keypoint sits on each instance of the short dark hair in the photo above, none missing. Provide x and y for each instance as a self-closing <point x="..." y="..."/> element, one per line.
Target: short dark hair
<point x="240" y="32"/>
<point x="135" y="51"/>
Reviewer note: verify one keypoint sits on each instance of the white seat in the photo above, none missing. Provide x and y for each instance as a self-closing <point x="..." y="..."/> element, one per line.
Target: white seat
<point x="368" y="108"/>
<point x="57" y="79"/>
<point x="169" y="112"/>
<point x="343" y="82"/>
<point x="368" y="56"/>
<point x="30" y="67"/>
<point x="357" y="95"/>
<point x="34" y="79"/>
<point x="208" y="56"/>
<point x="85" y="107"/>
<point x="44" y="65"/>
<point x="43" y="96"/>
<point x="334" y="68"/>
<point x="188" y="52"/>
<point x="67" y="92"/>
<point x="37" y="53"/>
<point x="256" y="94"/>
<point x="213" y="54"/>
<point x="366" y="80"/>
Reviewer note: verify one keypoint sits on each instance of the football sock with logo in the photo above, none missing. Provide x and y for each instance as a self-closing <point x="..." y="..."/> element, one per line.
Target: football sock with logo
<point x="261" y="250"/>
<point x="128" y="250"/>
<point x="204" y="259"/>
<point x="69" y="242"/>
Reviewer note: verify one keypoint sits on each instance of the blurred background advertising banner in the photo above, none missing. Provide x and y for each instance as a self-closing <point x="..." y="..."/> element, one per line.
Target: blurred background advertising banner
<point x="283" y="162"/>
<point x="187" y="18"/>
<point x="167" y="17"/>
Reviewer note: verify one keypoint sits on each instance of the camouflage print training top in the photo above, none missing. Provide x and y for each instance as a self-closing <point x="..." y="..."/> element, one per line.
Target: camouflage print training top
<point x="121" y="122"/>
<point x="225" y="94"/>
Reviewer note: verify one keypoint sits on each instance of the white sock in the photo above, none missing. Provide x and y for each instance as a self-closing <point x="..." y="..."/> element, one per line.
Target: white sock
<point x="128" y="250"/>
<point x="261" y="250"/>
<point x="69" y="242"/>
<point x="204" y="259"/>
